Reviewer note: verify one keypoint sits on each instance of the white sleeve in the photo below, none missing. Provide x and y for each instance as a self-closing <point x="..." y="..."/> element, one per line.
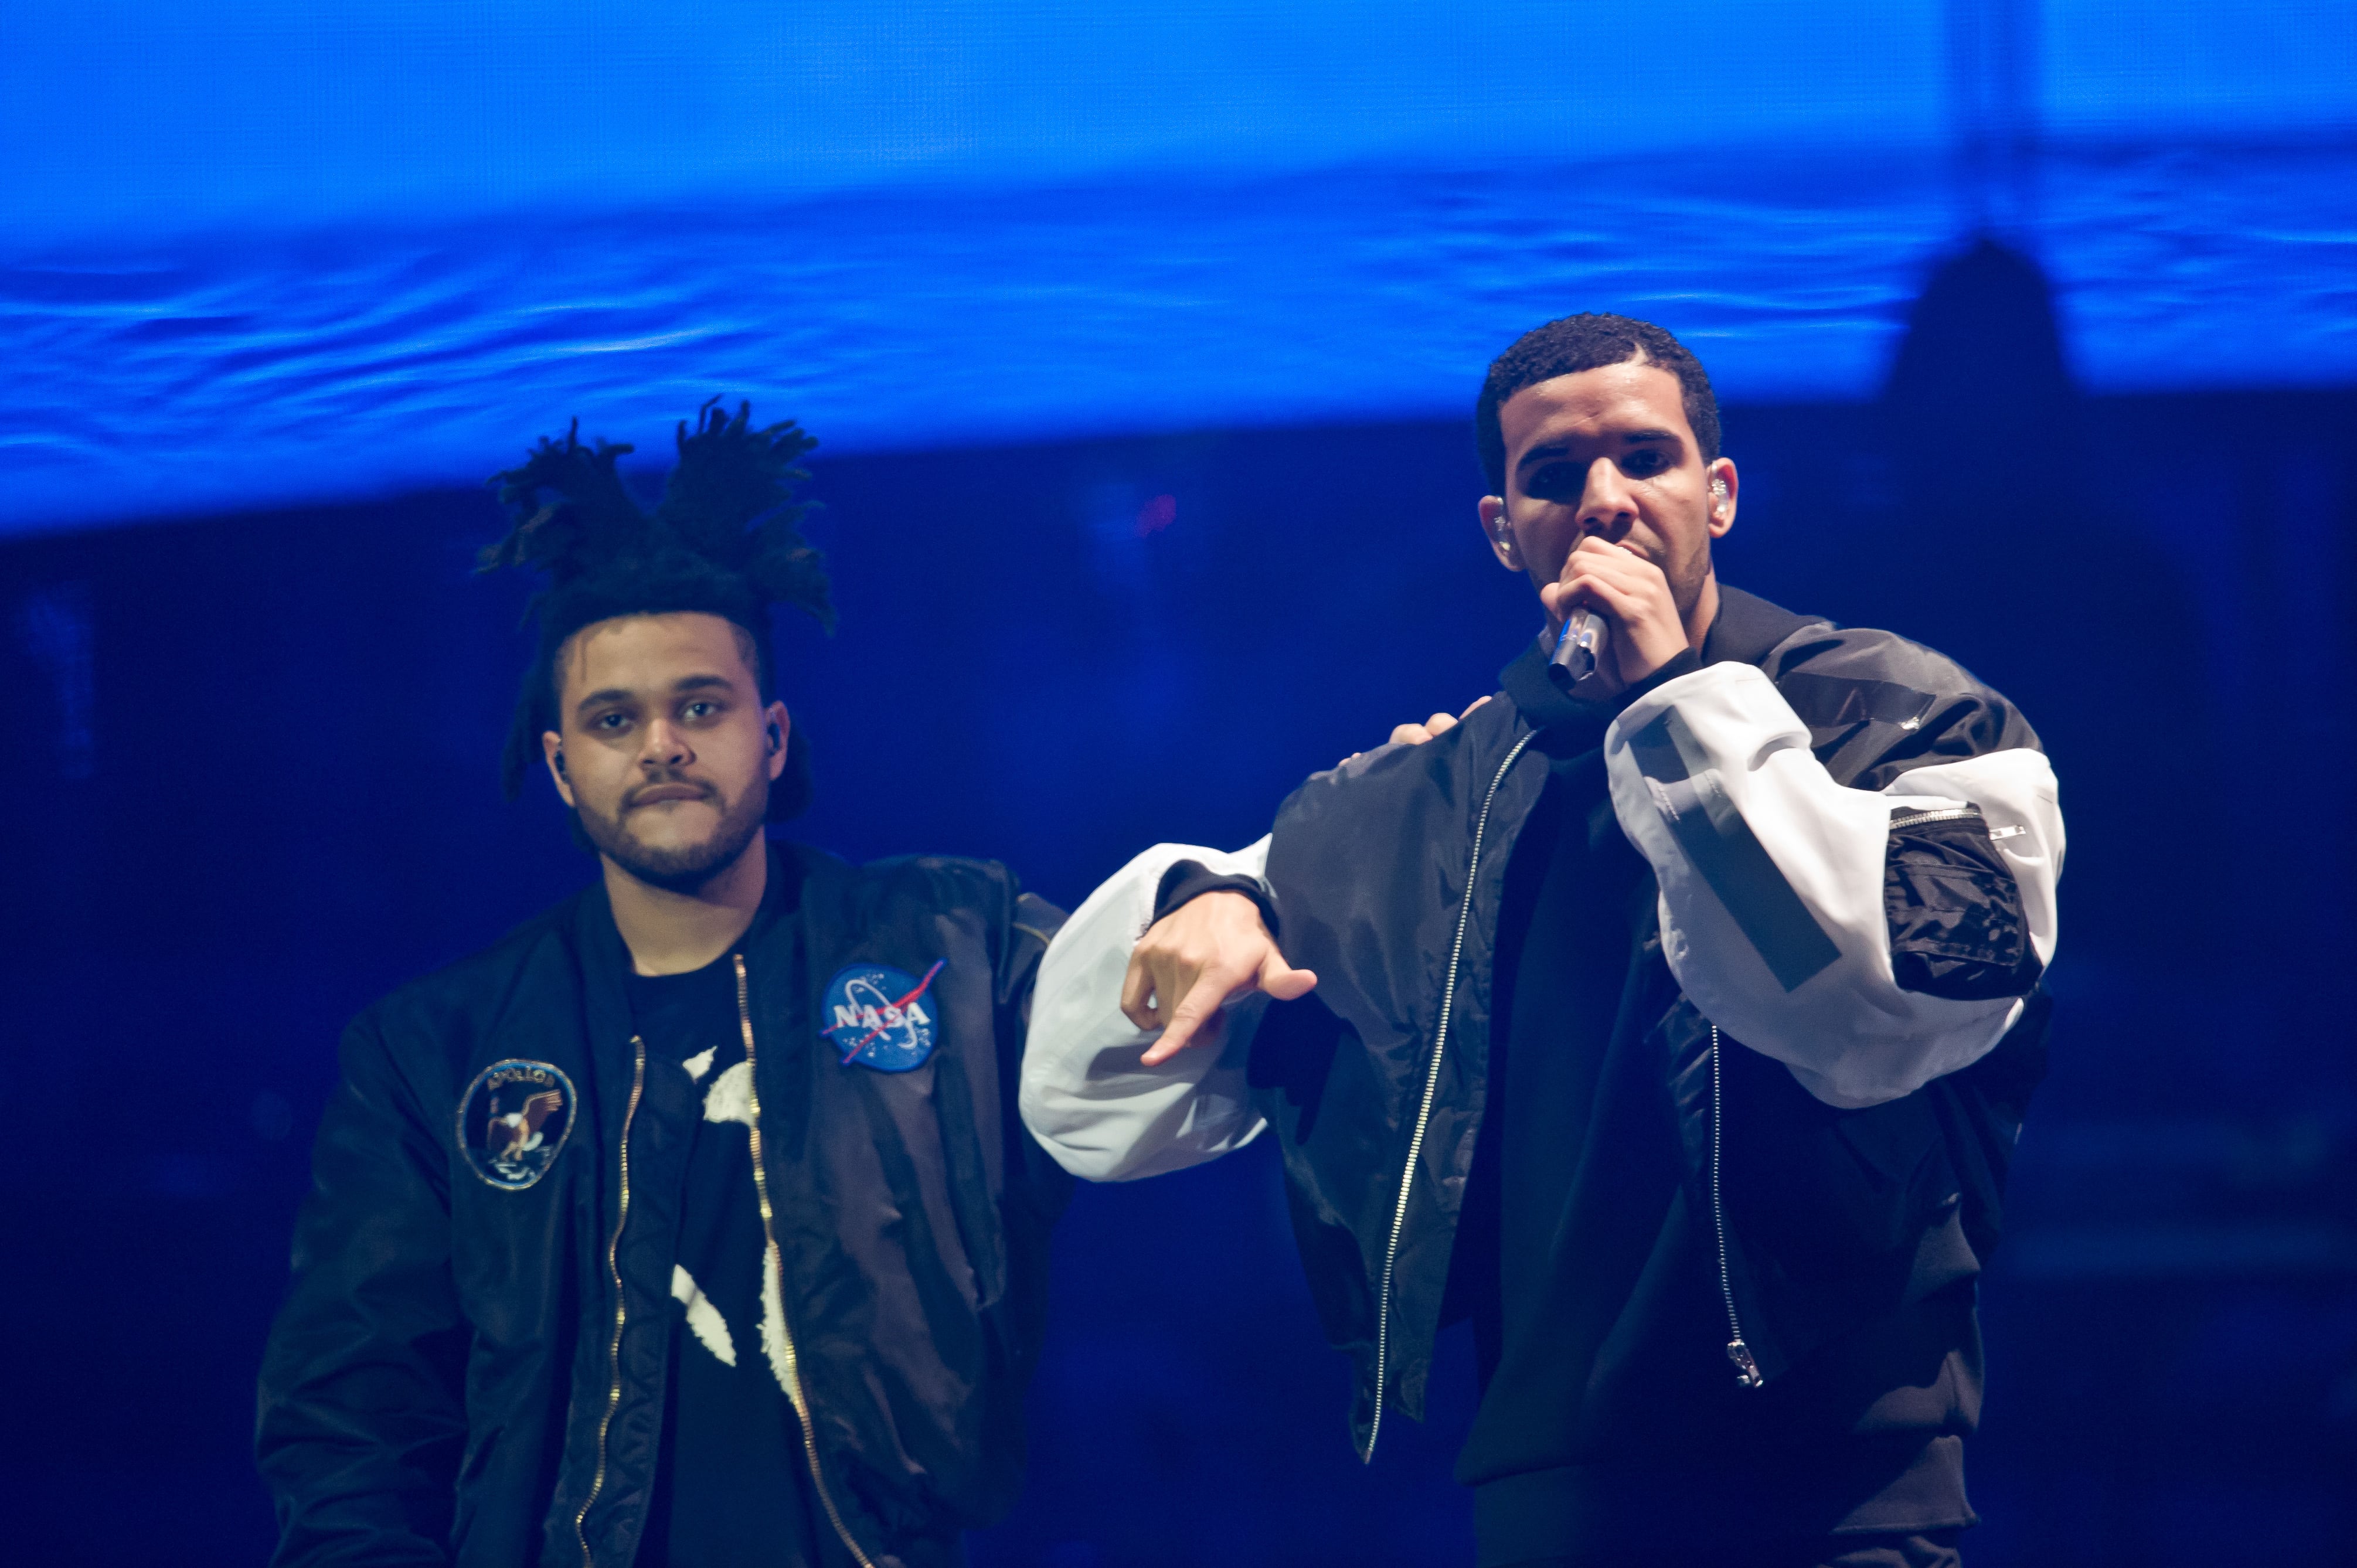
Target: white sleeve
<point x="1771" y="881"/>
<point x="1084" y="1096"/>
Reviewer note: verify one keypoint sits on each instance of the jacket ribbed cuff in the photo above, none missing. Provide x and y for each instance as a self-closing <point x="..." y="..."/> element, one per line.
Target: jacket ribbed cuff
<point x="1188" y="879"/>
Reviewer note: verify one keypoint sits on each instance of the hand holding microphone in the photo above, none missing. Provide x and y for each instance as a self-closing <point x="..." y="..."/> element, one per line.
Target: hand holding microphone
<point x="1620" y="621"/>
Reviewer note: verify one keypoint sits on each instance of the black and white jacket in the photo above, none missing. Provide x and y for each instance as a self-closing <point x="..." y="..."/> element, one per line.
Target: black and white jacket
<point x="1854" y="846"/>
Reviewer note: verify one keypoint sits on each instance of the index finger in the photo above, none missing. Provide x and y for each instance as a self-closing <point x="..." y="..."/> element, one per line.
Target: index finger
<point x="1194" y="1022"/>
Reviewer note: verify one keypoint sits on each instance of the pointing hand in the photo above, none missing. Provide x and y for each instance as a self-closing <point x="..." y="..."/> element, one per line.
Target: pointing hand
<point x="1190" y="964"/>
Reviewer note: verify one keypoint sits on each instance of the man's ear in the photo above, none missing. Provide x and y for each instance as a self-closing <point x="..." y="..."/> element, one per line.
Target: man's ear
<point x="552" y="751"/>
<point x="778" y="725"/>
<point x="1500" y="533"/>
<point x="1724" y="485"/>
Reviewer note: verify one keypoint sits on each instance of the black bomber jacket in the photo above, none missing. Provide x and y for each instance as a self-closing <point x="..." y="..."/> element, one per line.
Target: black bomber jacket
<point x="469" y="1367"/>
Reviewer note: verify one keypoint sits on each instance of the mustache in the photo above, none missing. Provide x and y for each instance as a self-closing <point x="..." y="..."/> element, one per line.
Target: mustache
<point x="665" y="780"/>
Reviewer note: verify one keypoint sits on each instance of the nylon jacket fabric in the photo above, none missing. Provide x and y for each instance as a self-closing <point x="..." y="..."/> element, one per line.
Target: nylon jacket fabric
<point x="435" y="1389"/>
<point x="1835" y="1217"/>
<point x="1954" y="932"/>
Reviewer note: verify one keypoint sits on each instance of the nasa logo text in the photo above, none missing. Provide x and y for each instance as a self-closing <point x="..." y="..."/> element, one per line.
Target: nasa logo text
<point x="882" y="1017"/>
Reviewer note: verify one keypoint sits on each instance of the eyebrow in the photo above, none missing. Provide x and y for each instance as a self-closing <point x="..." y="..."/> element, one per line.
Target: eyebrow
<point x="680" y="687"/>
<point x="1563" y="449"/>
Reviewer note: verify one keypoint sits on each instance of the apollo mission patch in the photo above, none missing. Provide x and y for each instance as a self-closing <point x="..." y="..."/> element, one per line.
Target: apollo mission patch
<point x="513" y="1122"/>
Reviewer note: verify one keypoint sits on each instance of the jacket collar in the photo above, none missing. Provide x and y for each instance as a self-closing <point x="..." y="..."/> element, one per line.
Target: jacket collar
<point x="1547" y="706"/>
<point x="1747" y="628"/>
<point x="605" y="959"/>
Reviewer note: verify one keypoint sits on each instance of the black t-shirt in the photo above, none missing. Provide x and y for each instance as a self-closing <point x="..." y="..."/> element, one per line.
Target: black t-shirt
<point x="1611" y="1419"/>
<point x="732" y="1486"/>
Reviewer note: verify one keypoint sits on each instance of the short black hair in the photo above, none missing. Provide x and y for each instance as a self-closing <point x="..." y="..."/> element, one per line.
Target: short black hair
<point x="1588" y="342"/>
<point x="725" y="541"/>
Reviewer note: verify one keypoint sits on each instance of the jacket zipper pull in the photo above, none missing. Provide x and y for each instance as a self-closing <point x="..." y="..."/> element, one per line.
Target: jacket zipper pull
<point x="1747" y="1370"/>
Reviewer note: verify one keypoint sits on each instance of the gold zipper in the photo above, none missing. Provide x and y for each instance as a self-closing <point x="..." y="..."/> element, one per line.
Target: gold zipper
<point x="614" y="1269"/>
<point x="777" y="1261"/>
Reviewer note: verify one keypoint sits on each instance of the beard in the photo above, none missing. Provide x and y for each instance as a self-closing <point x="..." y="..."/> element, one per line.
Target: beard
<point x="680" y="868"/>
<point x="1687" y="581"/>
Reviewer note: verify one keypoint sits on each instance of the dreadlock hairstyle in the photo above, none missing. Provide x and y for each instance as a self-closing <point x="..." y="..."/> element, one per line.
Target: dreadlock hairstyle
<point x="724" y="541"/>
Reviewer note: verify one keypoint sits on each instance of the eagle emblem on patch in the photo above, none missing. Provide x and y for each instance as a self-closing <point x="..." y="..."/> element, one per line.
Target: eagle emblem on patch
<point x="882" y="1017"/>
<point x="513" y="1121"/>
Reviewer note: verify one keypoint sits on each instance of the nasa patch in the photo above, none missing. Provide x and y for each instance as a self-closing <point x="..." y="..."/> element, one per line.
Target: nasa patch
<point x="882" y="1017"/>
<point x="513" y="1122"/>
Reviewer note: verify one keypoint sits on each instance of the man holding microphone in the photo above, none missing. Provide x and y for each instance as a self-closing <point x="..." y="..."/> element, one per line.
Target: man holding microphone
<point x="1672" y="1019"/>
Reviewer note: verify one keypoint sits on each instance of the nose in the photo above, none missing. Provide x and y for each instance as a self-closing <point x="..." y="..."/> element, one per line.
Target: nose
<point x="1606" y="507"/>
<point x="666" y="747"/>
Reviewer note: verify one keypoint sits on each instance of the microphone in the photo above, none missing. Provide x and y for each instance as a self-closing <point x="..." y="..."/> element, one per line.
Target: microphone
<point x="1575" y="646"/>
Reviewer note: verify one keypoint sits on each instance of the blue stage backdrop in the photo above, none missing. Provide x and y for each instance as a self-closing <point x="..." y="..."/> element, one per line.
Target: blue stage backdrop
<point x="266" y="252"/>
<point x="1141" y="340"/>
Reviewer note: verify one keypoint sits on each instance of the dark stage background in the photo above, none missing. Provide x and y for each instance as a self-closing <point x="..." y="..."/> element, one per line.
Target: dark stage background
<point x="279" y="282"/>
<point x="252" y="788"/>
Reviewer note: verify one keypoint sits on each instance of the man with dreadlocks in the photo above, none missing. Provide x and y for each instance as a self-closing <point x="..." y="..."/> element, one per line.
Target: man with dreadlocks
<point x="691" y="1224"/>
